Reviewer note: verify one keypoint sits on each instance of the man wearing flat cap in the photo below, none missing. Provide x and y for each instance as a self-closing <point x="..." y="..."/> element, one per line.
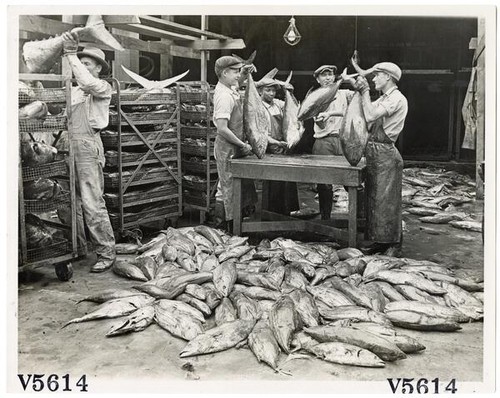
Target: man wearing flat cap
<point x="277" y="196"/>
<point x="385" y="117"/>
<point x="327" y="131"/>
<point x="229" y="142"/>
<point x="90" y="101"/>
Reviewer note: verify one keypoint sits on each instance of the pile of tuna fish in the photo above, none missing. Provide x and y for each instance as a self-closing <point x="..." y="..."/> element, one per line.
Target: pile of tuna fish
<point x="436" y="196"/>
<point x="283" y="296"/>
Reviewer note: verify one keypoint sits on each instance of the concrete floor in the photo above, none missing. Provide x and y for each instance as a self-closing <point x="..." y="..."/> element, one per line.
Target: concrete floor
<point x="45" y="304"/>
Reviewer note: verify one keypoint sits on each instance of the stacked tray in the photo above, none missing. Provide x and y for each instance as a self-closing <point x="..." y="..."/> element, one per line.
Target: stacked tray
<point x="144" y="175"/>
<point x="113" y="199"/>
<point x="130" y="157"/>
<point x="144" y="96"/>
<point x="110" y="137"/>
<point x="50" y="123"/>
<point x="168" y="208"/>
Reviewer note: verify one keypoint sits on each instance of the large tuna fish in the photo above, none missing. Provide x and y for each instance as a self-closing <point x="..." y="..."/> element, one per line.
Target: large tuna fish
<point x="135" y="322"/>
<point x="40" y="56"/>
<point x="41" y="189"/>
<point x="423" y="316"/>
<point x="345" y="354"/>
<point x="292" y="128"/>
<point x="37" y="153"/>
<point x="247" y="308"/>
<point x="257" y="125"/>
<point x="177" y="319"/>
<point x="224" y="278"/>
<point x="318" y="100"/>
<point x="383" y="348"/>
<point x="219" y="338"/>
<point x="34" y="110"/>
<point x="397" y="277"/>
<point x="306" y="307"/>
<point x="116" y="308"/>
<point x="37" y="233"/>
<point x="225" y="312"/>
<point x="126" y="267"/>
<point x="110" y="294"/>
<point x="264" y="345"/>
<point x="283" y="320"/>
<point x="354" y="131"/>
<point x="353" y="312"/>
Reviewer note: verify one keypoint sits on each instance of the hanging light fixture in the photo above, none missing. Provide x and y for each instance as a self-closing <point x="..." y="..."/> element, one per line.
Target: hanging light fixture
<point x="292" y="35"/>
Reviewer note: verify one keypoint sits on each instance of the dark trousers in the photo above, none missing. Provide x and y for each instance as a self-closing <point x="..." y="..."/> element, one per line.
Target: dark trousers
<point x="329" y="145"/>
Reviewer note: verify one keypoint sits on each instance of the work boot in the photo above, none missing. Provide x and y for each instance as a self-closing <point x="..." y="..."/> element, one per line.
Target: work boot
<point x="102" y="265"/>
<point x="374" y="248"/>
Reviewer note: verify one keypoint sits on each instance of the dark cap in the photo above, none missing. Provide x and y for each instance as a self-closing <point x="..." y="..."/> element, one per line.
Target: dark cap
<point x="266" y="82"/>
<point x="227" y="61"/>
<point x="322" y="68"/>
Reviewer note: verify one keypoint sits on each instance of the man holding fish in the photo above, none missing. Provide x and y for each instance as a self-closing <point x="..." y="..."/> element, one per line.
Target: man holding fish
<point x="278" y="196"/>
<point x="90" y="101"/>
<point x="326" y="131"/>
<point x="229" y="143"/>
<point x="385" y="117"/>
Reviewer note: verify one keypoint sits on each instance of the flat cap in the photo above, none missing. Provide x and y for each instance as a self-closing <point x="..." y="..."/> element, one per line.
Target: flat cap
<point x="227" y="61"/>
<point x="266" y="82"/>
<point x="322" y="68"/>
<point x="388" y="67"/>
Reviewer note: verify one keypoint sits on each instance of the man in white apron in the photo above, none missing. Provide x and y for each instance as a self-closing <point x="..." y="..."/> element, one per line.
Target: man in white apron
<point x="282" y="196"/>
<point x="229" y="142"/>
<point x="90" y="101"/>
<point x="384" y="165"/>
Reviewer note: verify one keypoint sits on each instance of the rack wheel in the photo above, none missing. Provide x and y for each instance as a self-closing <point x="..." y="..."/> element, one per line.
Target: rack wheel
<point x="64" y="271"/>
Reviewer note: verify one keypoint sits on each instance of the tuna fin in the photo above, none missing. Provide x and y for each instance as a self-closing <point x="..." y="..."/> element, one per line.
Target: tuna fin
<point x="152" y="84"/>
<point x="120" y="329"/>
<point x="287" y="81"/>
<point x="96" y="32"/>
<point x="250" y="59"/>
<point x="270" y="74"/>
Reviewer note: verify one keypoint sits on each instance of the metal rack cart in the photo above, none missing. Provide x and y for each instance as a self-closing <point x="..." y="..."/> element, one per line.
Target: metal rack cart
<point x="142" y="175"/>
<point x="198" y="135"/>
<point x="61" y="249"/>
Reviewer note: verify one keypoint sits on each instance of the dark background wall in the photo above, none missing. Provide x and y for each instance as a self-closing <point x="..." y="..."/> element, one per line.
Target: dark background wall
<point x="440" y="46"/>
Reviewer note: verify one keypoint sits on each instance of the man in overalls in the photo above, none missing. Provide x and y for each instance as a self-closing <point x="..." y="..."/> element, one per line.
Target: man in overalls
<point x="384" y="165"/>
<point x="327" y="131"/>
<point x="90" y="101"/>
<point x="229" y="142"/>
<point x="277" y="196"/>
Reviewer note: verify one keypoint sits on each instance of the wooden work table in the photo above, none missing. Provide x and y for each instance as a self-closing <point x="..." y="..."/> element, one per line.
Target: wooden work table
<point x="312" y="169"/>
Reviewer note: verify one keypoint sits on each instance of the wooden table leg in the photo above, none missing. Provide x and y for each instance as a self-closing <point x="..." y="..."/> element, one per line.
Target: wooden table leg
<point x="353" y="219"/>
<point x="236" y="206"/>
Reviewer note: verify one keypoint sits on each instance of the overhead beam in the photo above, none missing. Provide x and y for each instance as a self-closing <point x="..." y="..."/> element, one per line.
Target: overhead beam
<point x="173" y="26"/>
<point x="108" y="19"/>
<point x="155" y="32"/>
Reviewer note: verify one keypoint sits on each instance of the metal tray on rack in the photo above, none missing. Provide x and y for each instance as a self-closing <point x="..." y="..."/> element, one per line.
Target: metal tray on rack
<point x="50" y="123"/>
<point x="58" y="248"/>
<point x="142" y="117"/>
<point x="198" y="132"/>
<point x="110" y="138"/>
<point x="197" y="185"/>
<point x="28" y="95"/>
<point x="195" y="116"/>
<point x="195" y="150"/>
<point x="41" y="206"/>
<point x="199" y="167"/>
<point x="144" y="95"/>
<point x="170" y="208"/>
<point x="113" y="199"/>
<point x="144" y="175"/>
<point x="57" y="168"/>
<point x="129" y="157"/>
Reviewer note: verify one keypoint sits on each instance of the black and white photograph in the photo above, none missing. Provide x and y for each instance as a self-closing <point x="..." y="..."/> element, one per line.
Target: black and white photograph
<point x="251" y="199"/>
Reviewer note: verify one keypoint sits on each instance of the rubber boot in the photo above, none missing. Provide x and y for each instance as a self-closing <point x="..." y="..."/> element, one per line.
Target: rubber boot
<point x="219" y="215"/>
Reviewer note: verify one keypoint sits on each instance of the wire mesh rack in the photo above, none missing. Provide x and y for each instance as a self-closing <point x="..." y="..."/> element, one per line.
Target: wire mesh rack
<point x="50" y="123"/>
<point x="57" y="168"/>
<point x="59" y="247"/>
<point x="41" y="206"/>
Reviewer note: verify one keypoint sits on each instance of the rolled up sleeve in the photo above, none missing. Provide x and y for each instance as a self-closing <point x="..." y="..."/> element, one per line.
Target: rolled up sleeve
<point x="223" y="106"/>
